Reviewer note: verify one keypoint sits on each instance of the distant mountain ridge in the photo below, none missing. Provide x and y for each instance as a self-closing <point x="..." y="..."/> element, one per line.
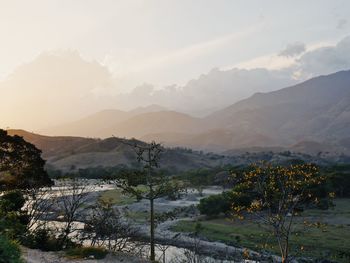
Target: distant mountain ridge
<point x="97" y="124"/>
<point x="314" y="113"/>
<point x="68" y="153"/>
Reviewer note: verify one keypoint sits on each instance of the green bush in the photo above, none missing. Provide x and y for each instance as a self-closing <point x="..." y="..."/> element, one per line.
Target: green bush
<point x="214" y="205"/>
<point x="9" y="251"/>
<point x="45" y="240"/>
<point x="13" y="220"/>
<point x="85" y="252"/>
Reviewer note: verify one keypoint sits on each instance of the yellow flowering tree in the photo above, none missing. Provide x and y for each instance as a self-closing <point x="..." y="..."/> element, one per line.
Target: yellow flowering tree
<point x="275" y="196"/>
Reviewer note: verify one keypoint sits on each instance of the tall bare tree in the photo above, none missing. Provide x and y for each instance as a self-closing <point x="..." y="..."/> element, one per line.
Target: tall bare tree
<point x="149" y="183"/>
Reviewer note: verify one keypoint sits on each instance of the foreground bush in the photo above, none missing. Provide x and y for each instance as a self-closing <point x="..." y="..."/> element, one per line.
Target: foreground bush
<point x="45" y="240"/>
<point x="9" y="251"/>
<point x="86" y="252"/>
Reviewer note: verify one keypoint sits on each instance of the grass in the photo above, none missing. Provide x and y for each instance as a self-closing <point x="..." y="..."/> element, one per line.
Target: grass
<point x="86" y="252"/>
<point x="331" y="241"/>
<point x="116" y="197"/>
<point x="139" y="216"/>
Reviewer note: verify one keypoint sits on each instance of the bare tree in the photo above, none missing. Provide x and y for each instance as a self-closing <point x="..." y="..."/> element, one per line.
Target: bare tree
<point x="72" y="194"/>
<point x="155" y="184"/>
<point x="105" y="226"/>
<point x="39" y="202"/>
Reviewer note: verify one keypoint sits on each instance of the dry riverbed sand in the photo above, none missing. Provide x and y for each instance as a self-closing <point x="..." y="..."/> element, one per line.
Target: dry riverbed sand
<point x="38" y="256"/>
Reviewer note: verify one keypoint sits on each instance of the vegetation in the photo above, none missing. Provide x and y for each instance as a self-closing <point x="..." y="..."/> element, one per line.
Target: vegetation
<point x="105" y="227"/>
<point x="21" y="165"/>
<point x="215" y="204"/>
<point x="13" y="219"/>
<point x="116" y="197"/>
<point x="155" y="184"/>
<point x="325" y="239"/>
<point x="9" y="251"/>
<point x="338" y="179"/>
<point x="87" y="252"/>
<point x="21" y="169"/>
<point x="278" y="194"/>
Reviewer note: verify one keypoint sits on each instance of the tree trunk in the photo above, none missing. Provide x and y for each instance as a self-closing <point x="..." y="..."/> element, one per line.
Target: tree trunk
<point x="152" y="256"/>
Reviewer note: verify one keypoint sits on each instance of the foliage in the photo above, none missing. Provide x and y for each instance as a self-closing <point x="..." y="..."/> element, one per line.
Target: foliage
<point x="43" y="239"/>
<point x="87" y="252"/>
<point x="215" y="204"/>
<point x="278" y="195"/>
<point x="320" y="241"/>
<point x="21" y="165"/>
<point x="105" y="226"/>
<point x="208" y="176"/>
<point x="338" y="179"/>
<point x="13" y="220"/>
<point x="154" y="183"/>
<point x="9" y="251"/>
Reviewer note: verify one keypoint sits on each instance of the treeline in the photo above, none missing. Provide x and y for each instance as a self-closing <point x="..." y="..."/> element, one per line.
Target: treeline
<point x="337" y="181"/>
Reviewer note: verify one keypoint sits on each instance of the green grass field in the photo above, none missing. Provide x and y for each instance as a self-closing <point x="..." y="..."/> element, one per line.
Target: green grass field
<point x="116" y="197"/>
<point x="331" y="241"/>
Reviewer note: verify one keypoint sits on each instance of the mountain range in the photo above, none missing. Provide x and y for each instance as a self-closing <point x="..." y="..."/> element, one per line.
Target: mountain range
<point x="68" y="153"/>
<point x="311" y="116"/>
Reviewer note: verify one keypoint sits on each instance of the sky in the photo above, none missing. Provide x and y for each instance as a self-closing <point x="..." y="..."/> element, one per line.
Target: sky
<point x="170" y="42"/>
<point x="167" y="42"/>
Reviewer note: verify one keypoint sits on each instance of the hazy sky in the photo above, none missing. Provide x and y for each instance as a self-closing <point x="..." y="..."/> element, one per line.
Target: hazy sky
<point x="168" y="42"/>
<point x="134" y="51"/>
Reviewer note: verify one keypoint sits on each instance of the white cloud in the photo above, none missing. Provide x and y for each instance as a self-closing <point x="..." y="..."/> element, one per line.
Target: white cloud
<point x="325" y="60"/>
<point x="293" y="50"/>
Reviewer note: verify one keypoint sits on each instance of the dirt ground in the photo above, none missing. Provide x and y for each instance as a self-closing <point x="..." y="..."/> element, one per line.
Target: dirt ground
<point x="37" y="256"/>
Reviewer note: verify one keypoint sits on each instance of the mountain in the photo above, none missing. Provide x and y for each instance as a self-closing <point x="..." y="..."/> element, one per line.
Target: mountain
<point x="311" y="116"/>
<point x="315" y="110"/>
<point x="100" y="123"/>
<point x="155" y="122"/>
<point x="72" y="153"/>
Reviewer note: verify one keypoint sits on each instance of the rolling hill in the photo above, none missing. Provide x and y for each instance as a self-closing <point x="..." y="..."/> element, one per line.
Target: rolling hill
<point x="71" y="153"/>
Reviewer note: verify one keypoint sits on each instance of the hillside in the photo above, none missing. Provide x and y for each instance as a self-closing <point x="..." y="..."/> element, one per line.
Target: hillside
<point x="315" y="110"/>
<point x="311" y="116"/>
<point x="67" y="153"/>
<point x="99" y="124"/>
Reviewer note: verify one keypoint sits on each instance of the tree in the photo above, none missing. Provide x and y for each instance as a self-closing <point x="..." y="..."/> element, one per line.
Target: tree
<point x="105" y="226"/>
<point x="72" y="196"/>
<point x="213" y="205"/>
<point x="149" y="183"/>
<point x="277" y="195"/>
<point x="13" y="220"/>
<point x="21" y="165"/>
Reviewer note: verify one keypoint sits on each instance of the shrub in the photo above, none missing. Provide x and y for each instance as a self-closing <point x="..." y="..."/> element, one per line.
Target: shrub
<point x="214" y="205"/>
<point x="44" y="240"/>
<point x="13" y="220"/>
<point x="9" y="251"/>
<point x="86" y="252"/>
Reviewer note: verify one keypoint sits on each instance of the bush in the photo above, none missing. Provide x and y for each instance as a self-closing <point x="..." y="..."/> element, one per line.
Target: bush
<point x="214" y="205"/>
<point x="13" y="221"/>
<point x="9" y="251"/>
<point x="86" y="252"/>
<point x="44" y="240"/>
<point x="11" y="201"/>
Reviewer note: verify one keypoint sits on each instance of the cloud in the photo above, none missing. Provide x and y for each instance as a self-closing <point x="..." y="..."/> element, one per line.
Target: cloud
<point x="293" y="50"/>
<point x="211" y="91"/>
<point x="325" y="60"/>
<point x="342" y="23"/>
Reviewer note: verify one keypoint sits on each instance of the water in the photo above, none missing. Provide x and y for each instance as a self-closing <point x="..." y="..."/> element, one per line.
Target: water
<point x="164" y="253"/>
